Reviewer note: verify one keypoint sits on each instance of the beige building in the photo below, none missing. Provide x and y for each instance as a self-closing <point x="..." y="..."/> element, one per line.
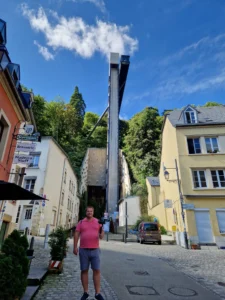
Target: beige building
<point x="51" y="175"/>
<point x="195" y="138"/>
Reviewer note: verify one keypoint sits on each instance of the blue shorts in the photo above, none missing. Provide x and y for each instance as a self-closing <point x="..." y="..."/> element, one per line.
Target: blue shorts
<point x="88" y="256"/>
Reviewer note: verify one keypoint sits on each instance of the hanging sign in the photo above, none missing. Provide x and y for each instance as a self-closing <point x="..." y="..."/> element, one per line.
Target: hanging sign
<point x="23" y="159"/>
<point x="29" y="129"/>
<point x="31" y="138"/>
<point x="25" y="147"/>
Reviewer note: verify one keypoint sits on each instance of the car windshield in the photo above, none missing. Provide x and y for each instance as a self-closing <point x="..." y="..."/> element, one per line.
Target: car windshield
<point x="150" y="227"/>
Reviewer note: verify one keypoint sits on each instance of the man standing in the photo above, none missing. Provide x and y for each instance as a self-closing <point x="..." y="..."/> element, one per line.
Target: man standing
<point x="89" y="231"/>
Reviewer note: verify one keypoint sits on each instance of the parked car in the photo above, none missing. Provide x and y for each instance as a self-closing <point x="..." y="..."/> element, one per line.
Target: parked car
<point x="149" y="232"/>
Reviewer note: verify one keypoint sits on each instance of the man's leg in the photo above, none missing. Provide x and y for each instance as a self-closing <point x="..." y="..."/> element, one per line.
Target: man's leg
<point x="96" y="279"/>
<point x="84" y="280"/>
<point x="84" y="266"/>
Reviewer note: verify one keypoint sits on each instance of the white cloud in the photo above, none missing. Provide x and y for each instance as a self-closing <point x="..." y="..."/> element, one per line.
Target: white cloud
<point x="98" y="3"/>
<point x="44" y="51"/>
<point x="75" y="35"/>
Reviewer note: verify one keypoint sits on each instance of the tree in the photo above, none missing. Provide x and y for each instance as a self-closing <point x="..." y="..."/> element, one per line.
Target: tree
<point x="142" y="144"/>
<point x="208" y="104"/>
<point x="79" y="105"/>
<point x="39" y="111"/>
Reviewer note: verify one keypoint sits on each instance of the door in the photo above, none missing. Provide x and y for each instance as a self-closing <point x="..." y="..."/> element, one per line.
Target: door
<point x="26" y="218"/>
<point x="204" y="228"/>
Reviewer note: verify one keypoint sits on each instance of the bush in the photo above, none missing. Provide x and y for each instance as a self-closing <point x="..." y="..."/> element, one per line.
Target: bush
<point x="144" y="218"/>
<point x="163" y="230"/>
<point x="58" y="243"/>
<point x="14" y="266"/>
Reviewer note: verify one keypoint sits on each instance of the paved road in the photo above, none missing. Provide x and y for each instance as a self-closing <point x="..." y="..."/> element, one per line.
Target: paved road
<point x="139" y="272"/>
<point x="136" y="275"/>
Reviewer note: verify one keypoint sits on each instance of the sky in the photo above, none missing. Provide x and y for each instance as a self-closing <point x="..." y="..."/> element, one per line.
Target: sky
<point x="176" y="48"/>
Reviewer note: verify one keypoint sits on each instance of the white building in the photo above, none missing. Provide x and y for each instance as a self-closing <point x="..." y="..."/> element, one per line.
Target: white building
<point x="51" y="175"/>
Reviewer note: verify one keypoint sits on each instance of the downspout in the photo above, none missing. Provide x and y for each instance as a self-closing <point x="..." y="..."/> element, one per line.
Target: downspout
<point x="60" y="192"/>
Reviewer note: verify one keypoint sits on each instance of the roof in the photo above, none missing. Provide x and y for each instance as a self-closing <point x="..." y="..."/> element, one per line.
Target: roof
<point x="154" y="181"/>
<point x="206" y="116"/>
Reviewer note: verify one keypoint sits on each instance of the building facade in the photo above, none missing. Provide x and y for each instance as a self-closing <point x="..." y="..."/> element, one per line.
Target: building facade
<point x="51" y="175"/>
<point x="15" y="108"/>
<point x="195" y="138"/>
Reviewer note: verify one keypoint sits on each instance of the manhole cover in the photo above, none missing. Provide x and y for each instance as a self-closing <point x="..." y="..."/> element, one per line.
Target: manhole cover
<point x="183" y="292"/>
<point x="221" y="283"/>
<point x="143" y="273"/>
<point x="195" y="266"/>
<point x="141" y="290"/>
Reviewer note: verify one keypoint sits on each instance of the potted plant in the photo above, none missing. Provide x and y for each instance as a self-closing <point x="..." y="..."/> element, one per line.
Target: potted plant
<point x="58" y="243"/>
<point x="14" y="266"/>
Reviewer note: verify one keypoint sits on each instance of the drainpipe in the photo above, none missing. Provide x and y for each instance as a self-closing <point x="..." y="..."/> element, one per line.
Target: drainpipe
<point x="57" y="220"/>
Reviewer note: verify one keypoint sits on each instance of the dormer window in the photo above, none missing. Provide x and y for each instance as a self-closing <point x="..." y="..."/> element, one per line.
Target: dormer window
<point x="190" y="115"/>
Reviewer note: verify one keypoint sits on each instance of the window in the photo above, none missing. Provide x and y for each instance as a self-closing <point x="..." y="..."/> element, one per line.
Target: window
<point x="36" y="158"/>
<point x="194" y="146"/>
<point x="218" y="178"/>
<point x="4" y="130"/>
<point x="29" y="184"/>
<point x="53" y="217"/>
<point x="151" y="227"/>
<point x="62" y="198"/>
<point x="28" y="213"/>
<point x="221" y="220"/>
<point x="212" y="145"/>
<point x="190" y="116"/>
<point x="65" y="174"/>
<point x="199" y="179"/>
<point x="70" y="185"/>
<point x="18" y="214"/>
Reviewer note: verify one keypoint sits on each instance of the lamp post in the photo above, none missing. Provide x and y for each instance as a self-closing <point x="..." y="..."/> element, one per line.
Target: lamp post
<point x="166" y="175"/>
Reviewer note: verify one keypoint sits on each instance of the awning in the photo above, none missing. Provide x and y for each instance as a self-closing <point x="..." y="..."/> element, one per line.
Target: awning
<point x="12" y="191"/>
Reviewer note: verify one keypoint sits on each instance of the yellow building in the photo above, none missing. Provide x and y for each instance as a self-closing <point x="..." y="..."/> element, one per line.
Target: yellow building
<point x="195" y="139"/>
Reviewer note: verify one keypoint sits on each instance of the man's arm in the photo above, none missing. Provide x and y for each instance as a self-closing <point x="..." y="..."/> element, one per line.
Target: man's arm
<point x="75" y="240"/>
<point x="101" y="235"/>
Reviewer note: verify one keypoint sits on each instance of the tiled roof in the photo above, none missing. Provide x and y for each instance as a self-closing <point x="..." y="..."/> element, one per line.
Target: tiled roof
<point x="206" y="115"/>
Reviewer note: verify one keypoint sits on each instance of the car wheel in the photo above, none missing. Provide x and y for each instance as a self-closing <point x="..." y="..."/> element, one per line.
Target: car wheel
<point x="142" y="241"/>
<point x="160" y="243"/>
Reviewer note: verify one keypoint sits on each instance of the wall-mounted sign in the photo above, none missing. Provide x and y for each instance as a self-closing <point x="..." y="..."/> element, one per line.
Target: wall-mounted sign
<point x="168" y="203"/>
<point x="189" y="206"/>
<point x="29" y="129"/>
<point x="23" y="159"/>
<point x="31" y="138"/>
<point x="25" y="147"/>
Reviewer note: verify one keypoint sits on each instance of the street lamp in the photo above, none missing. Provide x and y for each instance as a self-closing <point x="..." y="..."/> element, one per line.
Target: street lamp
<point x="166" y="175"/>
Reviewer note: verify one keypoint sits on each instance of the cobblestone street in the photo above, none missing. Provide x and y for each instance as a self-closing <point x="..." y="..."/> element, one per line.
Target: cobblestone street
<point x="205" y="267"/>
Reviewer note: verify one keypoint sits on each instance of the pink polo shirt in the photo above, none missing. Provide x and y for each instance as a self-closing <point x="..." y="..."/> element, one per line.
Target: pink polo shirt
<point x="89" y="233"/>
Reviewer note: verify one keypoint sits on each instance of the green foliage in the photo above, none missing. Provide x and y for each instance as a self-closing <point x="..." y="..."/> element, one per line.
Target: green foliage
<point x="14" y="266"/>
<point x="77" y="102"/>
<point x="208" y="104"/>
<point x="58" y="243"/>
<point x="163" y="230"/>
<point x="143" y="218"/>
<point x="142" y="144"/>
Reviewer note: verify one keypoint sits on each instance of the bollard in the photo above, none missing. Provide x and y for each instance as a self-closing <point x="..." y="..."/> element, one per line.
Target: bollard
<point x="32" y="243"/>
<point x="107" y="236"/>
<point x="26" y="231"/>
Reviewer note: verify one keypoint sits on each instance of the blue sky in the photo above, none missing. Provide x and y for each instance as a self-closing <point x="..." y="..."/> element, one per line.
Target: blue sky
<point x="177" y="49"/>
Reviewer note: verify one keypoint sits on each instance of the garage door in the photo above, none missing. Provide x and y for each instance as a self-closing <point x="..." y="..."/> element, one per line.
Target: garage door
<point x="204" y="228"/>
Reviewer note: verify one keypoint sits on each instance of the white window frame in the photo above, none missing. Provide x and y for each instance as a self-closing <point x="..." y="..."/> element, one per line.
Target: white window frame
<point x="190" y="111"/>
<point x="35" y="154"/>
<point x="218" y="178"/>
<point x="199" y="179"/>
<point x="6" y="138"/>
<point x="25" y="183"/>
<point x="220" y="210"/>
<point x="194" y="138"/>
<point x="211" y="144"/>
<point x="53" y="217"/>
